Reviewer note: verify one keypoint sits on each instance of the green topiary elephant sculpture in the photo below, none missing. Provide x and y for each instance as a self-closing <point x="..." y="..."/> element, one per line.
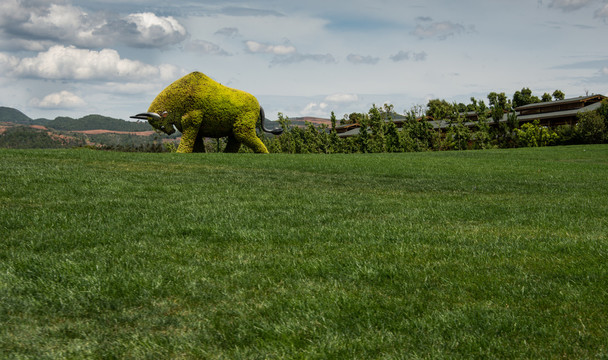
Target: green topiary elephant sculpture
<point x="200" y="107"/>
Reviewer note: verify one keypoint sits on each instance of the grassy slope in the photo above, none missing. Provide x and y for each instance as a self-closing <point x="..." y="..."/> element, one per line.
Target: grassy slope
<point x="458" y="254"/>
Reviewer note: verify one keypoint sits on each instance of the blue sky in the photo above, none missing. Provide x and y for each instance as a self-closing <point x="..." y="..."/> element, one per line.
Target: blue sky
<point x="110" y="57"/>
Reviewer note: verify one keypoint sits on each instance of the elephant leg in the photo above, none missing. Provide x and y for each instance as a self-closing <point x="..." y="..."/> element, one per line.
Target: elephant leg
<point x="191" y="123"/>
<point x="186" y="144"/>
<point x="199" y="145"/>
<point x="233" y="145"/>
<point x="244" y="131"/>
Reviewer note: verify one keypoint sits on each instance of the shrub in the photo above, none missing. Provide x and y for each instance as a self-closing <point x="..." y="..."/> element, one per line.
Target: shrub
<point x="566" y="135"/>
<point x="591" y="128"/>
<point x="533" y="135"/>
<point x="603" y="111"/>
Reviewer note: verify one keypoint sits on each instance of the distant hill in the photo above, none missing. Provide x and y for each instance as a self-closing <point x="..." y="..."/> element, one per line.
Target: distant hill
<point x="94" y="122"/>
<point x="301" y="121"/>
<point x="99" y="122"/>
<point x="89" y="122"/>
<point x="19" y="131"/>
<point x="20" y="136"/>
<point x="14" y="116"/>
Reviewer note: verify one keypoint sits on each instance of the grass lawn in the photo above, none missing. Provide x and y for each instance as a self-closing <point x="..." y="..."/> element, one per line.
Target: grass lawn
<point x="477" y="254"/>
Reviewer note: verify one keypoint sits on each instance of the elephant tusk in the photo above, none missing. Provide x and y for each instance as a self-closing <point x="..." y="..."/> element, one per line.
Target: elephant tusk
<point x="146" y="116"/>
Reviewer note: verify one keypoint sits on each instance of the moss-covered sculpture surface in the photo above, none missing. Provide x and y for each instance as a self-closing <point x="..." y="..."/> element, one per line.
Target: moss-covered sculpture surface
<point x="200" y="107"/>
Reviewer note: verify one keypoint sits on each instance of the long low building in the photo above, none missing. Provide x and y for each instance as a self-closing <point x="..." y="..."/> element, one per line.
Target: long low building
<point x="550" y="114"/>
<point x="561" y="112"/>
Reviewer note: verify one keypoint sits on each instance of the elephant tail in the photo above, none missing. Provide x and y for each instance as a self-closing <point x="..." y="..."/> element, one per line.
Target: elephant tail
<point x="272" y="131"/>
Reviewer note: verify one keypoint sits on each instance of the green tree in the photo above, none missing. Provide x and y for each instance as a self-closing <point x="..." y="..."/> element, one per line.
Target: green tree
<point x="461" y="107"/>
<point x="392" y="138"/>
<point x="438" y="109"/>
<point x="458" y="136"/>
<point x="315" y="140"/>
<point x="499" y="104"/>
<point x="363" y="137"/>
<point x="286" y="140"/>
<point x="481" y="137"/>
<point x="352" y="118"/>
<point x="559" y="95"/>
<point x="546" y="97"/>
<point x="334" y="139"/>
<point x="524" y="97"/>
<point x="376" y="124"/>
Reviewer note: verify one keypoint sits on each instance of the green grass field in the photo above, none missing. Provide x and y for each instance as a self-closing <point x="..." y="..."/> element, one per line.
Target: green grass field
<point x="478" y="254"/>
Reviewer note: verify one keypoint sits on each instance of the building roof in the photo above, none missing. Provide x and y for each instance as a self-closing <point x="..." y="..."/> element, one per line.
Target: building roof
<point x="558" y="114"/>
<point x="580" y="99"/>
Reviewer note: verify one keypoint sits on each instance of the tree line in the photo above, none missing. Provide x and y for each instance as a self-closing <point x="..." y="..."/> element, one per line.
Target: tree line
<point x="379" y="133"/>
<point x="26" y="137"/>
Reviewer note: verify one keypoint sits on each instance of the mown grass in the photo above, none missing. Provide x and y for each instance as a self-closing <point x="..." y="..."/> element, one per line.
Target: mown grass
<point x="484" y="254"/>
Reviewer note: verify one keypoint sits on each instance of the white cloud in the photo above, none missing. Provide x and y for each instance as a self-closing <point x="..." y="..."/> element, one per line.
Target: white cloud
<point x="39" y="25"/>
<point x="127" y="88"/>
<point x="286" y="54"/>
<point x="602" y="12"/>
<point x="246" y="11"/>
<point x="569" y="5"/>
<point x="8" y="62"/>
<point x="70" y="63"/>
<point x="361" y="59"/>
<point x="342" y="98"/>
<point x="605" y="70"/>
<point x="155" y="31"/>
<point x="206" y="47"/>
<point x="316" y="109"/>
<point x="440" y="30"/>
<point x="258" y="47"/>
<point x="409" y="55"/>
<point x="10" y="11"/>
<point x="297" y="58"/>
<point x="58" y="23"/>
<point x="60" y="100"/>
<point x="229" y="32"/>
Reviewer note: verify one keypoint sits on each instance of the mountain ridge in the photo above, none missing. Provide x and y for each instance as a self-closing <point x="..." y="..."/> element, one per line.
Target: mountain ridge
<point x="64" y="123"/>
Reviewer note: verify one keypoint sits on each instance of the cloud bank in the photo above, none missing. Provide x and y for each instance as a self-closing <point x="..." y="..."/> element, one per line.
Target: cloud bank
<point x="441" y="30"/>
<point x="206" y="48"/>
<point x="258" y="47"/>
<point x="409" y="55"/>
<point x="569" y="5"/>
<point x="38" y="26"/>
<point x="285" y="54"/>
<point x="602" y="13"/>
<point x="70" y="63"/>
<point x="362" y="59"/>
<point x="60" y="100"/>
<point x="342" y="98"/>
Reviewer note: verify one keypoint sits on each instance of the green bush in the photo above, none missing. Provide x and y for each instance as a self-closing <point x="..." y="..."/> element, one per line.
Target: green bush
<point x="533" y="135"/>
<point x="591" y="128"/>
<point x="603" y="111"/>
<point x="566" y="134"/>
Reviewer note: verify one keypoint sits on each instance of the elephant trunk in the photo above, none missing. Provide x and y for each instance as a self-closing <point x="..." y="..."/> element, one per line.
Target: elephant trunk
<point x="272" y="131"/>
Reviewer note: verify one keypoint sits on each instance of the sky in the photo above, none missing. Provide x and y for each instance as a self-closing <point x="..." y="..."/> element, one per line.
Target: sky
<point x="300" y="58"/>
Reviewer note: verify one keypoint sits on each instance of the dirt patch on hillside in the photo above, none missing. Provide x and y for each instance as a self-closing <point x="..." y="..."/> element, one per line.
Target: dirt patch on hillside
<point x="97" y="132"/>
